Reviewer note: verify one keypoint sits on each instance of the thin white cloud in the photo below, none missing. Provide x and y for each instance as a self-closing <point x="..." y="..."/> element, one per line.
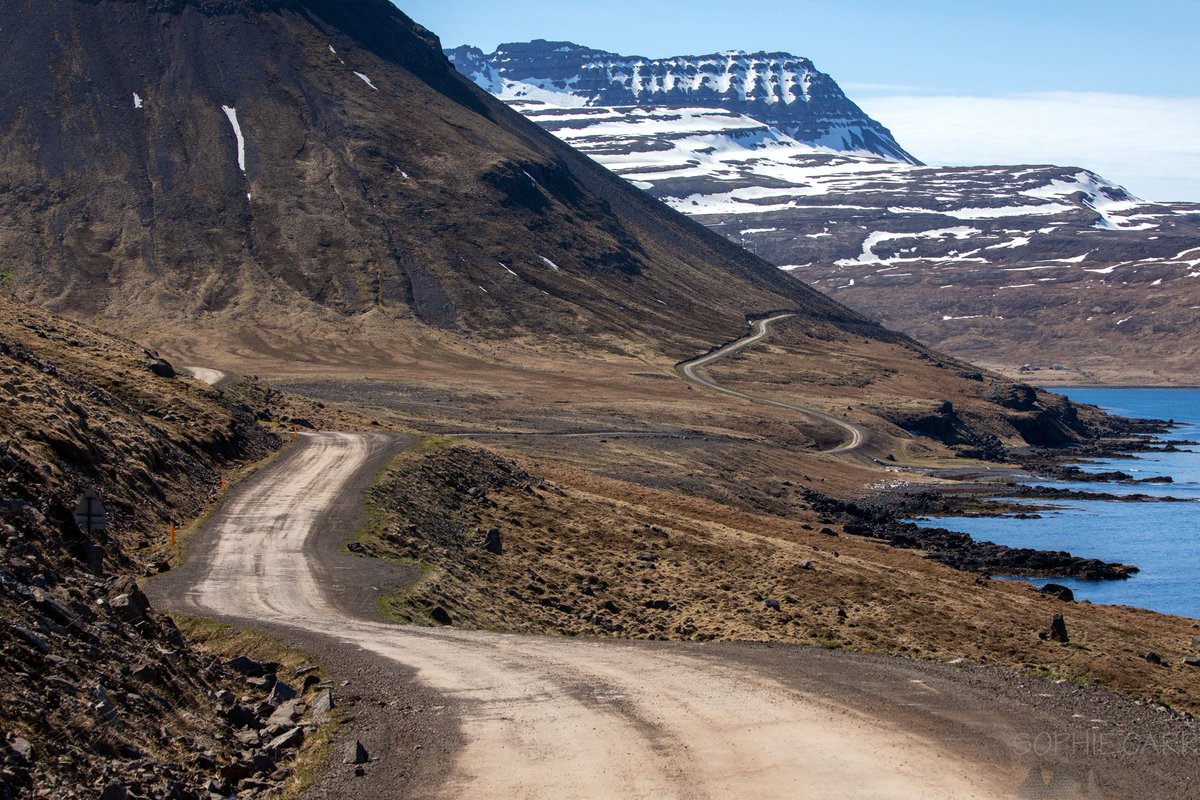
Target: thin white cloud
<point x="1151" y="145"/>
<point x="886" y="88"/>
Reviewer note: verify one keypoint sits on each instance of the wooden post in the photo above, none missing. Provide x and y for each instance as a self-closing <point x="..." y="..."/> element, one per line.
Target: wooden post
<point x="172" y="534"/>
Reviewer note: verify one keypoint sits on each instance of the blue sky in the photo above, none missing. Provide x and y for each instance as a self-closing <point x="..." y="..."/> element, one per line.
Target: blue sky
<point x="1112" y="86"/>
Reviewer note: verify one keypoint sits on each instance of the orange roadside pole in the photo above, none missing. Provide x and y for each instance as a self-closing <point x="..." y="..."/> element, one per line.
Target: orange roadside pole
<point x="295" y="433"/>
<point x="172" y="534"/>
<point x="222" y="484"/>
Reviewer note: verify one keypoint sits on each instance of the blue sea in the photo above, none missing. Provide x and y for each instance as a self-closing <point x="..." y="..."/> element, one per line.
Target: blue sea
<point x="1163" y="539"/>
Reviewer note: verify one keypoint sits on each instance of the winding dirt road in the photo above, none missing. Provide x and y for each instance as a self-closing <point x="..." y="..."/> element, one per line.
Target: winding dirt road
<point x="545" y="717"/>
<point x="856" y="435"/>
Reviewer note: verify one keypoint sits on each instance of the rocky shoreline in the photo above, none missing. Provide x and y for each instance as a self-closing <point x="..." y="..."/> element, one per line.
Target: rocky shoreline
<point x="882" y="521"/>
<point x="887" y="517"/>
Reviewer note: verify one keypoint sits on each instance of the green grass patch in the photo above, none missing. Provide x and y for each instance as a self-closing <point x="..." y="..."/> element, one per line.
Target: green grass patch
<point x="404" y="607"/>
<point x="378" y="521"/>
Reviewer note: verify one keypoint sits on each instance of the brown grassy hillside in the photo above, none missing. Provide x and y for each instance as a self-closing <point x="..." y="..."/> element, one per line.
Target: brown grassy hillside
<point x="596" y="557"/>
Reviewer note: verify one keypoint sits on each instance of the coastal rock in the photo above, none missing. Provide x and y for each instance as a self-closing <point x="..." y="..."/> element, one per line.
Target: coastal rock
<point x="1058" y="591"/>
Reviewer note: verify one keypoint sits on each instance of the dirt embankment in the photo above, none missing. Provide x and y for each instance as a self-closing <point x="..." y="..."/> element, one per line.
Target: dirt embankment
<point x="98" y="691"/>
<point x="588" y="556"/>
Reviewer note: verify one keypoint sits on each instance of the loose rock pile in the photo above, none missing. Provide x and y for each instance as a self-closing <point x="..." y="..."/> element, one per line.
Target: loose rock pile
<point x="105" y="698"/>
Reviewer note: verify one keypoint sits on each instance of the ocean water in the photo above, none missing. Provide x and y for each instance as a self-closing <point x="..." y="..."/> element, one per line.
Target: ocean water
<point x="1163" y="539"/>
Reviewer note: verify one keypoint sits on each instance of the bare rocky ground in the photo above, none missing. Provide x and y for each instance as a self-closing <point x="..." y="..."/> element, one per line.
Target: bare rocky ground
<point x="102" y="695"/>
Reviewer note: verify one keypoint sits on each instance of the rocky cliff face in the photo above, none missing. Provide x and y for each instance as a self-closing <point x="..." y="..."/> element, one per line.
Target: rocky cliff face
<point x="779" y="89"/>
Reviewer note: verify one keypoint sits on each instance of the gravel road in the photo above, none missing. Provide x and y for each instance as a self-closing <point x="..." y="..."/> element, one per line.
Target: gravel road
<point x="534" y="717"/>
<point x="856" y="436"/>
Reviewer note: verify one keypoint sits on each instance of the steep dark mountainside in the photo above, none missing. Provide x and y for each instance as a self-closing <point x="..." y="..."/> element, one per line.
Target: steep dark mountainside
<point x="98" y="691"/>
<point x="283" y="165"/>
<point x="780" y="89"/>
<point x="1009" y="265"/>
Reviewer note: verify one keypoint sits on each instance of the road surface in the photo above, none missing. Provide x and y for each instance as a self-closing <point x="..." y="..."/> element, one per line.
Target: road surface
<point x="548" y="717"/>
<point x="856" y="436"/>
<point x="213" y="377"/>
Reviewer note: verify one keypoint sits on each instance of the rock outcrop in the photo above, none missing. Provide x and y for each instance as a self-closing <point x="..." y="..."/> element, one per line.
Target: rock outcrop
<point x="102" y="696"/>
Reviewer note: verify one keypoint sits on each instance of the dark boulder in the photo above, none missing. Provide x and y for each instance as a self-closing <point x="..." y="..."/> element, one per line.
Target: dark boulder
<point x="1058" y="629"/>
<point x="145" y="673"/>
<point x="1058" y="591"/>
<point x="115" y="790"/>
<point x="290" y="740"/>
<point x="281" y="693"/>
<point x="251" y="668"/>
<point x="492" y="543"/>
<point x="287" y="713"/>
<point x="159" y="366"/>
<point x="241" y="717"/>
<point x="1018" y="397"/>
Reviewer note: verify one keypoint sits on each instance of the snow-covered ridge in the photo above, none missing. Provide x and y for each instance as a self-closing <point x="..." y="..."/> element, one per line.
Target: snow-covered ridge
<point x="779" y="89"/>
<point x="830" y="207"/>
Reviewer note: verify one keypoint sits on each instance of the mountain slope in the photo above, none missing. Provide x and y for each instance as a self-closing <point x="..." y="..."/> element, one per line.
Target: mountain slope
<point x="780" y="89"/>
<point x="329" y="170"/>
<point x="1008" y="265"/>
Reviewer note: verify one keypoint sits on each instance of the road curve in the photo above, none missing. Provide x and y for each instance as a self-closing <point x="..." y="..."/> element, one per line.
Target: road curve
<point x="546" y="717"/>
<point x="856" y="435"/>
<point x="215" y="378"/>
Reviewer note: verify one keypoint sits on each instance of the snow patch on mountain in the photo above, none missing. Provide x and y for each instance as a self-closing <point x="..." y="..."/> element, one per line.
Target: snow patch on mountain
<point x="231" y="114"/>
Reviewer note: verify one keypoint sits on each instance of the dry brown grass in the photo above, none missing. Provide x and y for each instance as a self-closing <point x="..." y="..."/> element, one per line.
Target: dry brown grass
<point x="574" y="564"/>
